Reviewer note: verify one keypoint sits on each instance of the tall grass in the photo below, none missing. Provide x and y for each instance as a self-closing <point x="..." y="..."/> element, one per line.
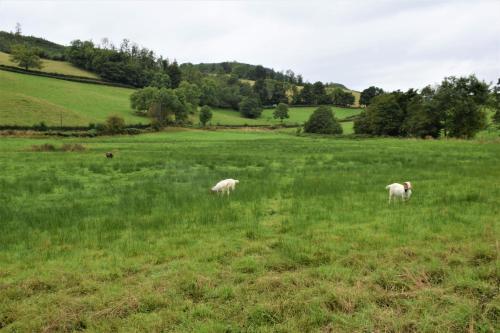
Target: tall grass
<point x="307" y="242"/>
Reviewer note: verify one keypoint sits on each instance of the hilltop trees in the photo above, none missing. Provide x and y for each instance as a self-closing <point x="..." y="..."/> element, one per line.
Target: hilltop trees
<point x="26" y="57"/>
<point x="281" y="112"/>
<point x="161" y="104"/>
<point x="323" y="121"/>
<point x="368" y="94"/>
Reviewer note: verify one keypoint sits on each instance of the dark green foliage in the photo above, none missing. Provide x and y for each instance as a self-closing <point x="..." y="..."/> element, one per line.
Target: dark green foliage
<point x="162" y="104"/>
<point x="46" y="49"/>
<point x="281" y="112"/>
<point x="455" y="107"/>
<point x="423" y="116"/>
<point x="141" y="99"/>
<point x="319" y="94"/>
<point x="384" y="116"/>
<point x="250" y="107"/>
<point x="205" y="114"/>
<point x="115" y="124"/>
<point x="340" y="97"/>
<point x="25" y="56"/>
<point x="495" y="103"/>
<point x="368" y="94"/>
<point x="322" y="121"/>
<point x="175" y="74"/>
<point x="460" y="101"/>
<point x="189" y="95"/>
<point x="306" y="95"/>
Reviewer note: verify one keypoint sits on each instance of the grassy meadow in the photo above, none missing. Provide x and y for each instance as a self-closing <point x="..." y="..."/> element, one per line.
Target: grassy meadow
<point x="306" y="243"/>
<point x="53" y="66"/>
<point x="27" y="100"/>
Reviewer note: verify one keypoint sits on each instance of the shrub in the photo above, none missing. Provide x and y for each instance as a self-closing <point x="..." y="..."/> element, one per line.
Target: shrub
<point x="205" y="114"/>
<point x="115" y="124"/>
<point x="250" y="107"/>
<point x="41" y="127"/>
<point x="322" y="121"/>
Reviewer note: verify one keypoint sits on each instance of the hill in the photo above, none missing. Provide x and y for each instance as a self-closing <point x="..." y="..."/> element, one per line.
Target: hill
<point x="49" y="49"/>
<point x="28" y="99"/>
<point x="53" y="66"/>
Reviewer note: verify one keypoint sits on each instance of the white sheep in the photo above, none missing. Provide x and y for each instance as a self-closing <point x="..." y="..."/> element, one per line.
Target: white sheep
<point x="225" y="186"/>
<point x="397" y="190"/>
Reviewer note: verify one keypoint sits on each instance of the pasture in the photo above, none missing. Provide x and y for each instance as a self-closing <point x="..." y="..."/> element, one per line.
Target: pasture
<point x="27" y="100"/>
<point x="306" y="243"/>
<point x="53" y="66"/>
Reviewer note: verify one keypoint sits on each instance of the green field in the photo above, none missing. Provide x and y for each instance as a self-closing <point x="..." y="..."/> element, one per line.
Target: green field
<point x="306" y="243"/>
<point x="27" y="99"/>
<point x="53" y="66"/>
<point x="298" y="115"/>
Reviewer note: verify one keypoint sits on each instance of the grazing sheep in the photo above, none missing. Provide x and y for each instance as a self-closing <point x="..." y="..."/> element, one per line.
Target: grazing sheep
<point x="109" y="154"/>
<point x="225" y="186"/>
<point x="397" y="190"/>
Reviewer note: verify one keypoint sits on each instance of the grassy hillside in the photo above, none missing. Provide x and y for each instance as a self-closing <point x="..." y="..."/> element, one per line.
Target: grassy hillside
<point x="53" y="66"/>
<point x="306" y="243"/>
<point x="27" y="99"/>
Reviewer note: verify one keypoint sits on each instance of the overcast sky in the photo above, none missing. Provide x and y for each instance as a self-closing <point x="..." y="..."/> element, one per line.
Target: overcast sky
<point x="390" y="44"/>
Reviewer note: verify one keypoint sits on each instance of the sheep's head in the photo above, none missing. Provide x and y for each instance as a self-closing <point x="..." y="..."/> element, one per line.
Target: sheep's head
<point x="407" y="185"/>
<point x="236" y="181"/>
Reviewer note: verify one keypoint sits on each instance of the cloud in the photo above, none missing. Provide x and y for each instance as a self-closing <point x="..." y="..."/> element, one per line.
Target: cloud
<point x="391" y="44"/>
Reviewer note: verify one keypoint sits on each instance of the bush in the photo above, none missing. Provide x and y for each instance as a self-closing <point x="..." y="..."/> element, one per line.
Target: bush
<point x="205" y="114"/>
<point x="115" y="124"/>
<point x="250" y="107"/>
<point x="322" y="121"/>
<point x="41" y="127"/>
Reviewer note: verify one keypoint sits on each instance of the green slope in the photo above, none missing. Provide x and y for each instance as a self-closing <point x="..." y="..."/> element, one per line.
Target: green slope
<point x="27" y="99"/>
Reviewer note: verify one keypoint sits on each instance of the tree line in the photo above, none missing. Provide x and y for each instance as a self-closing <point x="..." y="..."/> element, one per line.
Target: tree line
<point x="454" y="108"/>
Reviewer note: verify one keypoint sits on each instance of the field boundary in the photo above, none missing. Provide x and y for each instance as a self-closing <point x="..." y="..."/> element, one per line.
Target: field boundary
<point x="63" y="77"/>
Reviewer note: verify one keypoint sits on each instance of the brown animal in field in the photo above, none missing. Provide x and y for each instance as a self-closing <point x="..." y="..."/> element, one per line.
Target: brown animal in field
<point x="109" y="154"/>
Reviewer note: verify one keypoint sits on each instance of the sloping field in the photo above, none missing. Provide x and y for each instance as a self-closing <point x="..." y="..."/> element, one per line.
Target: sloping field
<point x="298" y="115"/>
<point x="53" y="66"/>
<point x="306" y="243"/>
<point x="27" y="99"/>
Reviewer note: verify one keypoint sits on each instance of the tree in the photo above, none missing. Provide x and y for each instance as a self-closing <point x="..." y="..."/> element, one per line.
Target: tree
<point x="115" y="124"/>
<point x="368" y="94"/>
<point x="189" y="95"/>
<point x="175" y="74"/>
<point x="319" y="94"/>
<point x="323" y="121"/>
<point x="341" y="98"/>
<point x="460" y="100"/>
<point x="25" y="57"/>
<point x="142" y="99"/>
<point x="423" y="117"/>
<point x="18" y="29"/>
<point x="384" y="116"/>
<point x="205" y="114"/>
<point x="306" y="95"/>
<point x="281" y="112"/>
<point x="160" y="80"/>
<point x="250" y="107"/>
<point x="495" y="103"/>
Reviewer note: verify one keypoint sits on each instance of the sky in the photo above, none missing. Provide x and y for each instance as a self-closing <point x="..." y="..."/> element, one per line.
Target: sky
<point x="389" y="44"/>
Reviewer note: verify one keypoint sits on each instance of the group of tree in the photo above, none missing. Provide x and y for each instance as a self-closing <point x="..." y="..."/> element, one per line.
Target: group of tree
<point x="248" y="72"/>
<point x="454" y="108"/>
<point x="44" y="48"/>
<point x="127" y="64"/>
